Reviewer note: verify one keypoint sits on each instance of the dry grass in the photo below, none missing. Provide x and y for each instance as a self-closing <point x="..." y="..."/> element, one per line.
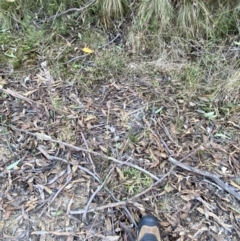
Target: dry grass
<point x="154" y="13"/>
<point x="228" y="90"/>
<point x="194" y="19"/>
<point x="187" y="18"/>
<point x="110" y="10"/>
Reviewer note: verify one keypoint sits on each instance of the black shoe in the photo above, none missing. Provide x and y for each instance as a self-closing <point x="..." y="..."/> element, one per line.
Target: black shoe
<point x="149" y="229"/>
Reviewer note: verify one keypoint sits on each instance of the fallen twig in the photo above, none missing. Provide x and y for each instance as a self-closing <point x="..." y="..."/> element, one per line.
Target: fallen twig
<point x="193" y="169"/>
<point x="167" y="132"/>
<point x="109" y="205"/>
<point x="130" y="200"/>
<point x="52" y="158"/>
<point x="72" y="10"/>
<point x="111" y="41"/>
<point x="94" y="194"/>
<point x="19" y="96"/>
<point x="89" y="155"/>
<point x="158" y="180"/>
<point x="209" y="175"/>
<point x="89" y="151"/>
<point x="57" y="233"/>
<point x="60" y="189"/>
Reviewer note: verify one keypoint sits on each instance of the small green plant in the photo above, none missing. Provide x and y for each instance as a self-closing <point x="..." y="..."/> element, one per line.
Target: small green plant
<point x="136" y="180"/>
<point x="227" y="109"/>
<point x="229" y="90"/>
<point x="191" y="79"/>
<point x="208" y="115"/>
<point x="133" y="137"/>
<point x="57" y="103"/>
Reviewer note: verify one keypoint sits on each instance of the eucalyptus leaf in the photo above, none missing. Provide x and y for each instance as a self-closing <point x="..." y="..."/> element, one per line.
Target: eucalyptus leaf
<point x="210" y="115"/>
<point x="11" y="166"/>
<point x="43" y="136"/>
<point x="222" y="136"/>
<point x="158" y="110"/>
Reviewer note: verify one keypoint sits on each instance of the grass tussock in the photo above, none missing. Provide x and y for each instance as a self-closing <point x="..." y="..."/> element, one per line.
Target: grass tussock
<point x="154" y="13"/>
<point x="186" y="18"/>
<point x="111" y="10"/>
<point x="194" y="19"/>
<point x="228" y="91"/>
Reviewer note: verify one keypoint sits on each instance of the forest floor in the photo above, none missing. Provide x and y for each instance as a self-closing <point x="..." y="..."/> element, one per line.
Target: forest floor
<point x="92" y="141"/>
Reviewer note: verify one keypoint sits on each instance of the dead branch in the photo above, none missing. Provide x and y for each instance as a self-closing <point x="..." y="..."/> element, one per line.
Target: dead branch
<point x="110" y="205"/>
<point x="130" y="200"/>
<point x="89" y="155"/>
<point x="19" y="96"/>
<point x="52" y="158"/>
<point x="94" y="194"/>
<point x="88" y="151"/>
<point x="72" y="10"/>
<point x="209" y="175"/>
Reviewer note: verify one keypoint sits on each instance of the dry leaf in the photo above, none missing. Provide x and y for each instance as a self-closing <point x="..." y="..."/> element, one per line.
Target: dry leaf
<point x="235" y="185"/>
<point x="185" y="210"/>
<point x="90" y="118"/>
<point x="215" y="217"/>
<point x="2" y="82"/>
<point x="111" y="238"/>
<point x="139" y="206"/>
<point x="80" y="123"/>
<point x="104" y="149"/>
<point x="154" y="159"/>
<point x="108" y="224"/>
<point x="120" y="174"/>
<point x="164" y="224"/>
<point x="43" y="136"/>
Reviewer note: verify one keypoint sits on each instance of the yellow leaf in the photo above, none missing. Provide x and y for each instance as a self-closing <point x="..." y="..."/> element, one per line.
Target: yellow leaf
<point x="87" y="50"/>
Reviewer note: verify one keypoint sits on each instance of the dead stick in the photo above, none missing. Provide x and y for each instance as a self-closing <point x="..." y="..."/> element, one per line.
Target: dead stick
<point x="89" y="155"/>
<point x="51" y="158"/>
<point x="94" y="194"/>
<point x="38" y="135"/>
<point x="193" y="169"/>
<point x="60" y="189"/>
<point x="124" y="203"/>
<point x="17" y="95"/>
<point x="72" y="10"/>
<point x="213" y="177"/>
<point x="110" y="205"/>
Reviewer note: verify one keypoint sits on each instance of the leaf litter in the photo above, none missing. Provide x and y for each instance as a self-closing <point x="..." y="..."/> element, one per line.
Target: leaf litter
<point x="91" y="163"/>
